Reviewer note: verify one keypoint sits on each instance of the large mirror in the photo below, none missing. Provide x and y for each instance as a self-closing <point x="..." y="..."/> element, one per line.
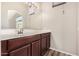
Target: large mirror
<point x="10" y="11"/>
<point x="30" y="13"/>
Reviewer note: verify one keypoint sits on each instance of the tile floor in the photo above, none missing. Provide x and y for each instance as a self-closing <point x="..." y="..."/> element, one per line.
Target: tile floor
<point x="55" y="53"/>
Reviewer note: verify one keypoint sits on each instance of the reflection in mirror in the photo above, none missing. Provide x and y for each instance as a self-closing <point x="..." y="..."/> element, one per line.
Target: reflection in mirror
<point x="10" y="11"/>
<point x="12" y="15"/>
<point x="19" y="24"/>
<point x="11" y="19"/>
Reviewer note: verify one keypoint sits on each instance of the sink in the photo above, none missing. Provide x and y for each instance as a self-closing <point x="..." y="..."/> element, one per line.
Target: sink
<point x="7" y="31"/>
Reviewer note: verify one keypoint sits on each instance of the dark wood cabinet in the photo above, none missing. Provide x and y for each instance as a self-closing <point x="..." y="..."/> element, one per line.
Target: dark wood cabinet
<point x="16" y="43"/>
<point x="36" y="48"/>
<point x="4" y="47"/>
<point x="34" y="45"/>
<point x="45" y="42"/>
<point x="48" y="42"/>
<point x="23" y="51"/>
<point x="43" y="46"/>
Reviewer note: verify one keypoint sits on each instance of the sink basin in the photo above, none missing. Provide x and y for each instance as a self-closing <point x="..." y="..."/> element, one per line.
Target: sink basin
<point x="7" y="31"/>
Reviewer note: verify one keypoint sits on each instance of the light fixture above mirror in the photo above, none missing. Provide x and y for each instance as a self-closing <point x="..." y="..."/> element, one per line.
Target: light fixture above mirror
<point x="33" y="7"/>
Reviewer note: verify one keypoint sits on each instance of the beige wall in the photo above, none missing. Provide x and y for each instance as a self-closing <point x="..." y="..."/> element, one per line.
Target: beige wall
<point x="35" y="21"/>
<point x="20" y="7"/>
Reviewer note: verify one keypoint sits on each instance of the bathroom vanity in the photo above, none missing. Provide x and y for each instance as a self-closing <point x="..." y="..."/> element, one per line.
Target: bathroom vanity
<point x="26" y="45"/>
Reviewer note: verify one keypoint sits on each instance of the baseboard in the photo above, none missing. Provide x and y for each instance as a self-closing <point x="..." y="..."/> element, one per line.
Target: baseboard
<point x="63" y="51"/>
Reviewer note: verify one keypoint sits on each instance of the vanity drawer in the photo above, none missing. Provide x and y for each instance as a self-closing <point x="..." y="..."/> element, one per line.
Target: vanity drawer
<point x="16" y="43"/>
<point x="34" y="38"/>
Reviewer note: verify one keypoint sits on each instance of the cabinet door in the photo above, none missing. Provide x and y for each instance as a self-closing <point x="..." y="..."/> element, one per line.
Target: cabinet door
<point x="36" y="48"/>
<point x="48" y="42"/>
<point x="4" y="48"/>
<point x="23" y="51"/>
<point x="43" y="46"/>
<point x="16" y="43"/>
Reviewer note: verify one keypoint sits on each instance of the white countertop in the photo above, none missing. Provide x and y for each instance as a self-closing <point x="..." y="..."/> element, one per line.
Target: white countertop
<point x="8" y="34"/>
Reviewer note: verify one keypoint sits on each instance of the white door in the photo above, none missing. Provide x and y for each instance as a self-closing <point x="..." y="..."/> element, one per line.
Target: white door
<point x="70" y="28"/>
